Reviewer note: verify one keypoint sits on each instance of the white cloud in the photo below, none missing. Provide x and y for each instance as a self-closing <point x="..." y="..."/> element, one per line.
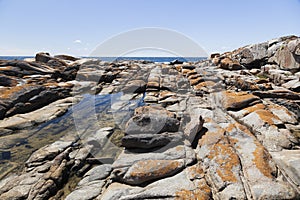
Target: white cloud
<point x="77" y="41"/>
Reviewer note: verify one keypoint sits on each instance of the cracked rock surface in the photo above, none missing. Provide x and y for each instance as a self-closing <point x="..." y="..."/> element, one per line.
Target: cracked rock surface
<point x="223" y="128"/>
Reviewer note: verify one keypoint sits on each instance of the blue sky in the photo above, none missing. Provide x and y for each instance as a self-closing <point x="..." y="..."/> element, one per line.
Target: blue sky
<point x="76" y="27"/>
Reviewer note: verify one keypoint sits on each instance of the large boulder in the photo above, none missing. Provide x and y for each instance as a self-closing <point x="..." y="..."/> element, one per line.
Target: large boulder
<point x="42" y="57"/>
<point x="52" y="61"/>
<point x="150" y="123"/>
<point x="230" y="64"/>
<point x="253" y="55"/>
<point x="288" y="55"/>
<point x="151" y="127"/>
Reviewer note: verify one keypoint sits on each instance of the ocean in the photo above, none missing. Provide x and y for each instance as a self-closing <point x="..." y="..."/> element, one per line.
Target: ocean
<point x="110" y="59"/>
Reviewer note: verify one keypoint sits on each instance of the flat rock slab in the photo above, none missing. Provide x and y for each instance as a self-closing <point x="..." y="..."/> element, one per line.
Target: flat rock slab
<point x="289" y="162"/>
<point x="168" y="188"/>
<point x="238" y="100"/>
<point x="44" y="114"/>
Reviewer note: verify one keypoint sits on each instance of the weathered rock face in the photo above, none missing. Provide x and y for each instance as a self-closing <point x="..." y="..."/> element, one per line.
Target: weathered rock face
<point x="228" y="63"/>
<point x="282" y="51"/>
<point x="151" y="127"/>
<point x="288" y="56"/>
<point x="253" y="55"/>
<point x="152" y="122"/>
<point x="224" y="128"/>
<point x="143" y="171"/>
<point x="135" y="86"/>
<point x="236" y="101"/>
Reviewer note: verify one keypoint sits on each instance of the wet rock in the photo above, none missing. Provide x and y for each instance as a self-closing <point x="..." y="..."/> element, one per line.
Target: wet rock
<point x="48" y="152"/>
<point x="167" y="154"/>
<point x="44" y="114"/>
<point x="42" y="99"/>
<point x="10" y="140"/>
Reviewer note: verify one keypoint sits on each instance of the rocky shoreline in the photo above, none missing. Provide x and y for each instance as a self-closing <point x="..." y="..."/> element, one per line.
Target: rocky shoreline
<point x="222" y="128"/>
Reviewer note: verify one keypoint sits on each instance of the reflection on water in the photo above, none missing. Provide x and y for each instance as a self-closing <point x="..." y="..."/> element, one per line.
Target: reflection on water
<point x="92" y="113"/>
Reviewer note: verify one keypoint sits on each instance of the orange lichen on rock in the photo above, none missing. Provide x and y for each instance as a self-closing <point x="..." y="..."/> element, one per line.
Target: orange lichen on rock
<point x="203" y="192"/>
<point x="227" y="159"/>
<point x="9" y="92"/>
<point x="197" y="194"/>
<point x="231" y="127"/>
<point x="221" y="153"/>
<point x="6" y="68"/>
<point x="228" y="63"/>
<point x="196" y="81"/>
<point x="188" y="71"/>
<point x="237" y="100"/>
<point x="152" y="85"/>
<point x="244" y="129"/>
<point x="212" y="137"/>
<point x="199" y="86"/>
<point x="178" y="67"/>
<point x="151" y="169"/>
<point x="261" y="160"/>
<point x="192" y="72"/>
<point x="195" y="172"/>
<point x="278" y="107"/>
<point x="251" y="109"/>
<point x="194" y="76"/>
<point x="267" y="116"/>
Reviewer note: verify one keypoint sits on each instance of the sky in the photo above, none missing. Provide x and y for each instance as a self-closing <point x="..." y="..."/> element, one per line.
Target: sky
<point x="77" y="27"/>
